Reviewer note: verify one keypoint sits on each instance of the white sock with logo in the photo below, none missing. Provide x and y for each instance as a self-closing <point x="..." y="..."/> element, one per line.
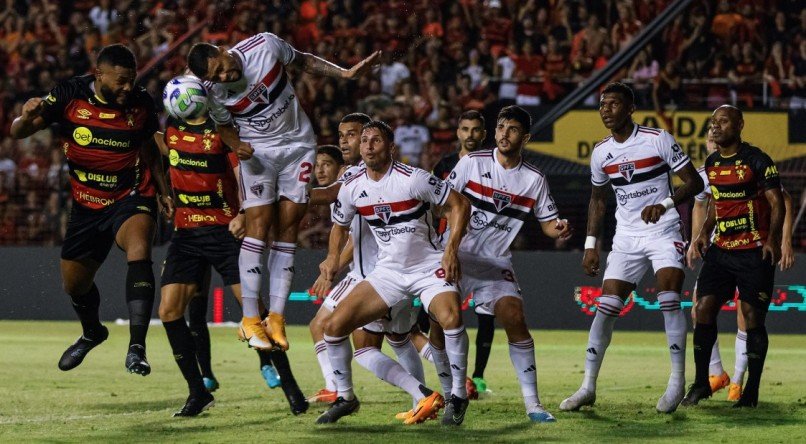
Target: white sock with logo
<point x="599" y="337"/>
<point x="387" y="369"/>
<point x="251" y="272"/>
<point x="443" y="366"/>
<point x="408" y="357"/>
<point x="456" y="345"/>
<point x="341" y="353"/>
<point x="522" y="354"/>
<point x="324" y="364"/>
<point x="676" y="328"/>
<point x="281" y="273"/>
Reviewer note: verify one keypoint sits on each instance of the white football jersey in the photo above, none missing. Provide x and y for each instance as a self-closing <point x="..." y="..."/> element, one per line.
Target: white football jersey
<point x="397" y="210"/>
<point x="640" y="172"/>
<point x="262" y="103"/>
<point x="502" y="199"/>
<point x="365" y="249"/>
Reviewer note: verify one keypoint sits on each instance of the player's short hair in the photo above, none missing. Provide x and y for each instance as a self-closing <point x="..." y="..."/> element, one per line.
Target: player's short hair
<point x="383" y="127"/>
<point x="332" y="151"/>
<point x="117" y="55"/>
<point x="518" y="114"/>
<point x="361" y="118"/>
<point x="472" y="114"/>
<point x="199" y="57"/>
<point x="620" y="88"/>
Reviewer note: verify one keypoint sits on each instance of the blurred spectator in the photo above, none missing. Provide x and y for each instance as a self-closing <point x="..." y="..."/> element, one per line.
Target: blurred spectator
<point x="410" y="138"/>
<point x="392" y="72"/>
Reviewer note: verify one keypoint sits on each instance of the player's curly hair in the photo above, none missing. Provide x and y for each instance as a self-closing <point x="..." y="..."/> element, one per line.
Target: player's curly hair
<point x="199" y="57"/>
<point x="383" y="127"/>
<point x="117" y="55"/>
<point x="620" y="88"/>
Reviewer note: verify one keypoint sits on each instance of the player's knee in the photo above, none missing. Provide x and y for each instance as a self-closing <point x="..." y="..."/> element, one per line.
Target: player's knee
<point x="317" y="324"/>
<point x="170" y="312"/>
<point x="450" y="318"/>
<point x="335" y="325"/>
<point x="138" y="251"/>
<point x="75" y="288"/>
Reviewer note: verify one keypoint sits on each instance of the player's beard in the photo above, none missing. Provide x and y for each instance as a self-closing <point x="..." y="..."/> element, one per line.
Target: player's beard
<point x="111" y="97"/>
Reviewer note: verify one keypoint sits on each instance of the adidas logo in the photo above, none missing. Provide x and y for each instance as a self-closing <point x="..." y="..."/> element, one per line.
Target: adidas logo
<point x="336" y="372"/>
<point x="363" y="194"/>
<point x="531" y="368"/>
<point x="289" y="269"/>
<point x="674" y="347"/>
<point x="255" y="270"/>
<point x="609" y="157"/>
<point x="443" y="375"/>
<point x="487" y="175"/>
<point x="455" y="367"/>
<point x="592" y="351"/>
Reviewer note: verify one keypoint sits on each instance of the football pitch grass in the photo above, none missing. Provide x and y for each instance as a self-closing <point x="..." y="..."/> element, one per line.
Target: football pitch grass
<point x="99" y="401"/>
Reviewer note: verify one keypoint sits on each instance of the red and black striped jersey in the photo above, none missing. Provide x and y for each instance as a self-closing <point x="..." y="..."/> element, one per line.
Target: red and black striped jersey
<point x="202" y="177"/>
<point x="102" y="141"/>
<point x="737" y="187"/>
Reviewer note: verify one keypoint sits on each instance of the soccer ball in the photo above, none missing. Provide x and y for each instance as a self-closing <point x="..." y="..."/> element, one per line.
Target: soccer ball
<point x="184" y="97"/>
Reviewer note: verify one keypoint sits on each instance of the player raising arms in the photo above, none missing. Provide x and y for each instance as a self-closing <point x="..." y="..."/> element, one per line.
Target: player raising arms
<point x="250" y="88"/>
<point x="503" y="190"/>
<point x="637" y="161"/>
<point x="747" y="209"/>
<point x="395" y="201"/>
<point x="105" y="127"/>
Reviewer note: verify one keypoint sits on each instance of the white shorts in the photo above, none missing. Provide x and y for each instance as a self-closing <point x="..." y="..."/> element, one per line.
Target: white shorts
<point x="341" y="290"/>
<point x="399" y="319"/>
<point x="488" y="280"/>
<point x="275" y="172"/>
<point x="631" y="254"/>
<point x="394" y="286"/>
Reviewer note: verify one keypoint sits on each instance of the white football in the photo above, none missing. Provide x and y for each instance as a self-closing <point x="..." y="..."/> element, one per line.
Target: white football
<point x="185" y="97"/>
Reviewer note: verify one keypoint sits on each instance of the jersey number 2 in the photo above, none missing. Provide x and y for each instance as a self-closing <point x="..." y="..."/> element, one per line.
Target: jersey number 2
<point x="305" y="173"/>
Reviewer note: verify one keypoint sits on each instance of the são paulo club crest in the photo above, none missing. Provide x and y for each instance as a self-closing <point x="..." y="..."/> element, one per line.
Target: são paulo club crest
<point x="383" y="211"/>
<point x="257" y="189"/>
<point x="501" y="200"/>
<point x="627" y="170"/>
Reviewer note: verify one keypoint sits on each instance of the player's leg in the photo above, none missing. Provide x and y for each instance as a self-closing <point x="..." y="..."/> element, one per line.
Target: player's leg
<point x="78" y="282"/>
<point x="175" y="298"/>
<point x="292" y="183"/>
<point x="445" y="308"/>
<point x="363" y="305"/>
<point x="509" y="311"/>
<point x="740" y="349"/>
<point x="755" y="291"/>
<point x="420" y="339"/>
<point x="134" y="236"/>
<point x="407" y="354"/>
<point x="251" y="270"/>
<point x="484" y="344"/>
<point x="669" y="281"/>
<point x="436" y="343"/>
<point x="197" y="321"/>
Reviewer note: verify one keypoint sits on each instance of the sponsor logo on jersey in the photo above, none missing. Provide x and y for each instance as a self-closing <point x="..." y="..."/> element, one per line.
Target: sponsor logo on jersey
<point x="725" y="225"/>
<point x="175" y="159"/>
<point x="479" y="221"/>
<point x="173" y="139"/>
<point x="261" y="123"/>
<point x="383" y="211"/>
<point x="83" y="113"/>
<point x="197" y="200"/>
<point x="83" y="136"/>
<point x="385" y="234"/>
<point x="771" y="171"/>
<point x="107" y="180"/>
<point x="188" y="138"/>
<point x="501" y="200"/>
<point x="94" y="199"/>
<point x="627" y="170"/>
<point x="107" y="115"/>
<point x="727" y="195"/>
<point x="201" y="218"/>
<point x="623" y="196"/>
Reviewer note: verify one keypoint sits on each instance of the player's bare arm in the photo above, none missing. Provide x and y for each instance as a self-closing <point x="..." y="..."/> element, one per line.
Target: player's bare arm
<point x="557" y="228"/>
<point x="787" y="253"/>
<point x="30" y="121"/>
<point x="150" y="153"/>
<point x="325" y="195"/>
<point x="772" y="248"/>
<point x="159" y="140"/>
<point x="316" y="65"/>
<point x="703" y="236"/>
<point x="237" y="226"/>
<point x="229" y="135"/>
<point x="330" y="266"/>
<point x="596" y="212"/>
<point x="698" y="214"/>
<point x="458" y="208"/>
<point x="692" y="185"/>
<point x="346" y="256"/>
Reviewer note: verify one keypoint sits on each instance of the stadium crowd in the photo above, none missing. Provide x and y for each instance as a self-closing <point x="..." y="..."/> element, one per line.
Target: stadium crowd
<point x="440" y="57"/>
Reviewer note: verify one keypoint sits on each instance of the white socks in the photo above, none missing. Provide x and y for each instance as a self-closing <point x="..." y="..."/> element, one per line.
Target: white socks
<point x="456" y="344"/>
<point x="387" y="369"/>
<point x="741" y="358"/>
<point x="251" y="272"/>
<point x="715" y="366"/>
<point x="281" y="273"/>
<point x="675" y="323"/>
<point x="324" y="364"/>
<point x="340" y="353"/>
<point x="522" y="355"/>
<point x="599" y="337"/>
<point x="443" y="366"/>
<point x="425" y="353"/>
<point x="408" y="358"/>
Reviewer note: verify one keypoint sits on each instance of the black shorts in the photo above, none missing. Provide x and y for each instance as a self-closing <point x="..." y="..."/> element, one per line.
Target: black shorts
<point x="725" y="271"/>
<point x="194" y="250"/>
<point x="90" y="233"/>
